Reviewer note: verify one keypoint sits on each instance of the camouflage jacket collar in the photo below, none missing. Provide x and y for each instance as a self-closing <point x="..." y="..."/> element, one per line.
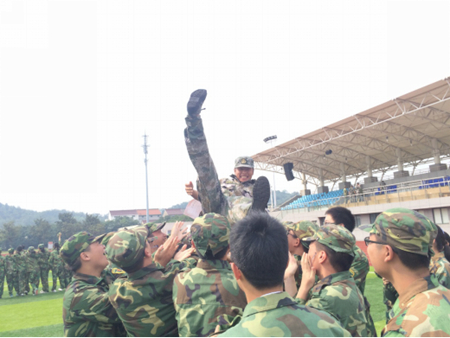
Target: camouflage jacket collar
<point x="147" y="270"/>
<point x="269" y="302"/>
<point x="331" y="279"/>
<point x="213" y="264"/>
<point x="89" y="279"/>
<point x="437" y="256"/>
<point x="250" y="182"/>
<point x="418" y="286"/>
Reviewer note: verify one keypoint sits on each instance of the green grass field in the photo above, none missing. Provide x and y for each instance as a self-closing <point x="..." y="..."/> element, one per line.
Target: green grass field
<point x="41" y="315"/>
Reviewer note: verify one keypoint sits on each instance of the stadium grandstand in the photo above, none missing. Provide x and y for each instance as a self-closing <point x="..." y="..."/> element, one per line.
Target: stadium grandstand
<point x="397" y="152"/>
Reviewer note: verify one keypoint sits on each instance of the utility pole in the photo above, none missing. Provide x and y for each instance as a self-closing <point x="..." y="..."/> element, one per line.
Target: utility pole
<point x="269" y="140"/>
<point x="146" y="179"/>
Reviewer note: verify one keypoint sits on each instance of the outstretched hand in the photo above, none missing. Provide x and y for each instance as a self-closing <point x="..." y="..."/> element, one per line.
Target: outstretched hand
<point x="183" y="253"/>
<point x="166" y="251"/>
<point x="177" y="232"/>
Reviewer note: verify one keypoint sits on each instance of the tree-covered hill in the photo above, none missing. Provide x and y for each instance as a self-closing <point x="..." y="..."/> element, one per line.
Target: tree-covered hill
<point x="26" y="217"/>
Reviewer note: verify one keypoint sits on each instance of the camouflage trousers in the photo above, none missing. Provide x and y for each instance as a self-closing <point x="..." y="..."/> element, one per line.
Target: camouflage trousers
<point x="58" y="273"/>
<point x="23" y="282"/>
<point x="13" y="282"/>
<point x="209" y="190"/>
<point x="2" y="282"/>
<point x="33" y="279"/>
<point x="44" y="279"/>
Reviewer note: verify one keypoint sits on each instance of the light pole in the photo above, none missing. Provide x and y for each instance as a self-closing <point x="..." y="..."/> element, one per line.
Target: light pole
<point x="269" y="140"/>
<point x="146" y="179"/>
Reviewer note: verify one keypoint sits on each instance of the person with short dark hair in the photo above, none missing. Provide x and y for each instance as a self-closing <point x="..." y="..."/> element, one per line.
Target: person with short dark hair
<point x="399" y="247"/>
<point x="143" y="300"/>
<point x="259" y="251"/>
<point x="360" y="266"/>
<point x="210" y="286"/>
<point x="87" y="311"/>
<point x="330" y="256"/>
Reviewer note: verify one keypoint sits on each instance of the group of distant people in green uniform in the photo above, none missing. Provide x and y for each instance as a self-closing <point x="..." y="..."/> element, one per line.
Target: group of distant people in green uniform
<point x="25" y="269"/>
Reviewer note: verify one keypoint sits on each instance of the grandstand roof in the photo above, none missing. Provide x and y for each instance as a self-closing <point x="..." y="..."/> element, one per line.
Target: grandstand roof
<point x="417" y="123"/>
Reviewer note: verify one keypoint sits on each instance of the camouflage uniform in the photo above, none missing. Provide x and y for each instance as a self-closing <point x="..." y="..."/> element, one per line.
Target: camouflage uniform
<point x="209" y="290"/>
<point x="22" y="272"/>
<point x="143" y="301"/>
<point x="86" y="307"/>
<point x="227" y="197"/>
<point x="112" y="271"/>
<point x="439" y="267"/>
<point x="43" y="257"/>
<point x="2" y="273"/>
<point x="422" y="309"/>
<point x="33" y="269"/>
<point x="279" y="315"/>
<point x="57" y="266"/>
<point x="301" y="230"/>
<point x="12" y="277"/>
<point x="360" y="268"/>
<point x="337" y="293"/>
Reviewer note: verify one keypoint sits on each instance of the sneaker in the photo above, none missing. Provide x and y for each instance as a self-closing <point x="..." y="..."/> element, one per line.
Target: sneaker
<point x="194" y="105"/>
<point x="53" y="290"/>
<point x="21" y="295"/>
<point x="60" y="289"/>
<point x="261" y="194"/>
<point x="26" y="293"/>
<point x="11" y="295"/>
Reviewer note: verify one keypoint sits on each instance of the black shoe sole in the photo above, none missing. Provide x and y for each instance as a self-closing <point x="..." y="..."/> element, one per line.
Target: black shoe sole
<point x="195" y="102"/>
<point x="261" y="194"/>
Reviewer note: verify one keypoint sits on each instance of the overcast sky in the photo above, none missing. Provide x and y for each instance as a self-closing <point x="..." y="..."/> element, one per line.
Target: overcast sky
<point x="82" y="81"/>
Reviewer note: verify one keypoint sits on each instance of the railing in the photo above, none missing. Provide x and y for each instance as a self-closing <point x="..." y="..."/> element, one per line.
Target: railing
<point x="435" y="187"/>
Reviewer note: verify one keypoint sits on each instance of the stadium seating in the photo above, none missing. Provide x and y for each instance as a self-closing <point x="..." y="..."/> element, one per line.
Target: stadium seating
<point x="316" y="200"/>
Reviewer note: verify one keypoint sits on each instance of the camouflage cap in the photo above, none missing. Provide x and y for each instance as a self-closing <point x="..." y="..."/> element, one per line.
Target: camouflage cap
<point x="107" y="237"/>
<point x="153" y="227"/>
<point x="10" y="250"/>
<point x="335" y="237"/>
<point x="41" y="246"/>
<point x="244" y="162"/>
<point x="76" y="244"/>
<point x="30" y="248"/>
<point x="210" y="231"/>
<point x="302" y="229"/>
<point x="404" y="229"/>
<point x="126" y="247"/>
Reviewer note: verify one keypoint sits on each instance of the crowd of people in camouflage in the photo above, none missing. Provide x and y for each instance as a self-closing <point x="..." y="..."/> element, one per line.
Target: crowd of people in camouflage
<point x="26" y="269"/>
<point x="238" y="271"/>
